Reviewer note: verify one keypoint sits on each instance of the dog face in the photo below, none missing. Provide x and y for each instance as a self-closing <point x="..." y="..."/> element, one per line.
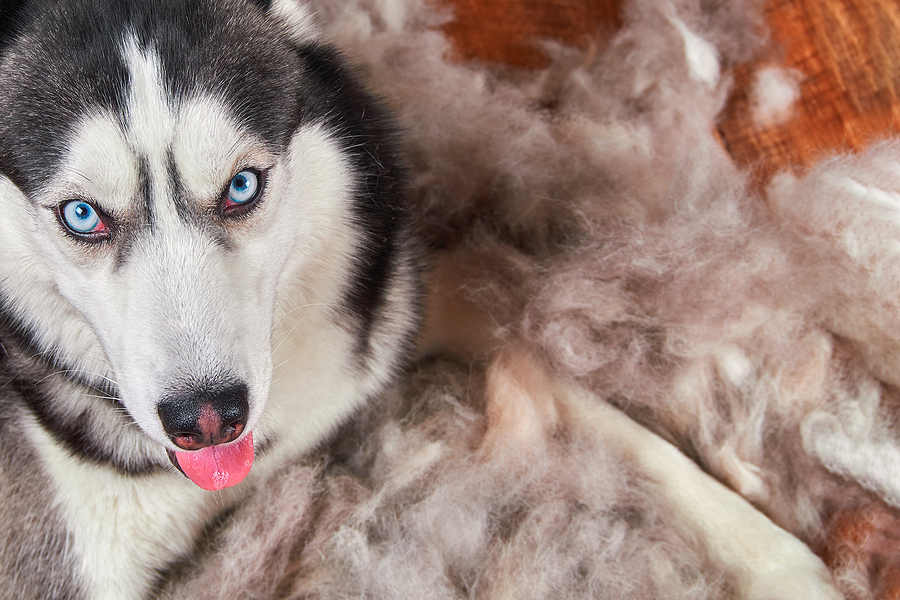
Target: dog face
<point x="165" y="181"/>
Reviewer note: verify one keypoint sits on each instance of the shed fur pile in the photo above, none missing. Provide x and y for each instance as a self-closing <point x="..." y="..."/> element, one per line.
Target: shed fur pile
<point x="589" y="213"/>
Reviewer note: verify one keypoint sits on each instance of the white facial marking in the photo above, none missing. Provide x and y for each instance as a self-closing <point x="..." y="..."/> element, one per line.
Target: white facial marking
<point x="151" y="123"/>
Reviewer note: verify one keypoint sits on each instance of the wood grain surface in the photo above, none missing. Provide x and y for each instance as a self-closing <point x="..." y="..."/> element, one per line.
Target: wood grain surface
<point x="846" y="53"/>
<point x="506" y="31"/>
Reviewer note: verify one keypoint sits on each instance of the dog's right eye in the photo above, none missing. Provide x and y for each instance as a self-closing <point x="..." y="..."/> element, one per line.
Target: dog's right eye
<point x="242" y="192"/>
<point x="84" y="220"/>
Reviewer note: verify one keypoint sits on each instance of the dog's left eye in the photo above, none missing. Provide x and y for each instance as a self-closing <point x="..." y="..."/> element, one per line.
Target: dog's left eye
<point x="242" y="192"/>
<point x="84" y="220"/>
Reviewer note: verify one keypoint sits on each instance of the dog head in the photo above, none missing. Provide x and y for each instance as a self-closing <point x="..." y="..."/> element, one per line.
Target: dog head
<point x="176" y="175"/>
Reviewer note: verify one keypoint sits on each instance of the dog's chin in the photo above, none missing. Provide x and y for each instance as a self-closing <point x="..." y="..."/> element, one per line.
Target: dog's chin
<point x="216" y="467"/>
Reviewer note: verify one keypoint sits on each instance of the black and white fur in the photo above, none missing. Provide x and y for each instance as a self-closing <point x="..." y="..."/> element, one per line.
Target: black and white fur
<point x="308" y="302"/>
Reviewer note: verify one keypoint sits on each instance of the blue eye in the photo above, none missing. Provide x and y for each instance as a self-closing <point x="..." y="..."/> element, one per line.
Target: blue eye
<point x="82" y="218"/>
<point x="244" y="187"/>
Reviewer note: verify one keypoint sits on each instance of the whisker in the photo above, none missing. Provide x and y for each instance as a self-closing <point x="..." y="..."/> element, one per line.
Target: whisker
<point x="287" y="334"/>
<point x="107" y="397"/>
<point x="303" y="306"/>
<point x="82" y="372"/>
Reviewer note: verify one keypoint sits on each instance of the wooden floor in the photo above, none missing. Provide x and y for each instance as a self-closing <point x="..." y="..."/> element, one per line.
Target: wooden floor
<point x="847" y="53"/>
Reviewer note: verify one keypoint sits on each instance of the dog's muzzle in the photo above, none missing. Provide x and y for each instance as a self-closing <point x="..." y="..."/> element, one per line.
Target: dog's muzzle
<point x="207" y="425"/>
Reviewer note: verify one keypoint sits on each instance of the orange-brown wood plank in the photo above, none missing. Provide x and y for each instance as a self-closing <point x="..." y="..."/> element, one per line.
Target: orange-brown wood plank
<point x="848" y="52"/>
<point x="508" y="31"/>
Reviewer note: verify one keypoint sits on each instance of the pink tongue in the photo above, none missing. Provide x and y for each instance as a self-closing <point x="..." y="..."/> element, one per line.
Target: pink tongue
<point x="218" y="467"/>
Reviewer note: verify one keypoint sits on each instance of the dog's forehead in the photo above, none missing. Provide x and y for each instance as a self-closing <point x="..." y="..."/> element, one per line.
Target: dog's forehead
<point x="74" y="59"/>
<point x="195" y="143"/>
<point x="195" y="135"/>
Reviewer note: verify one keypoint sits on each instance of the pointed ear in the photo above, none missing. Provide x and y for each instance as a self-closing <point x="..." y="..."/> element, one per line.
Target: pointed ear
<point x="10" y="13"/>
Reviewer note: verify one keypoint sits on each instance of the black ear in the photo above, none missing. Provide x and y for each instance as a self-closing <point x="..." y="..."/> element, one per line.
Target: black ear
<point x="10" y="19"/>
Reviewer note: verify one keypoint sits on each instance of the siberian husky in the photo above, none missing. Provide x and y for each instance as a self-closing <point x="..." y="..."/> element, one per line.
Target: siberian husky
<point x="206" y="264"/>
<point x="187" y="185"/>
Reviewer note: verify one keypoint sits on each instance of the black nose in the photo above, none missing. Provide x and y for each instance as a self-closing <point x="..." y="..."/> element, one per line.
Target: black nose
<point x="205" y="417"/>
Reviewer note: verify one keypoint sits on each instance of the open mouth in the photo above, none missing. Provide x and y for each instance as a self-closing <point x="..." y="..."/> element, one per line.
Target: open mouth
<point x="216" y="467"/>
